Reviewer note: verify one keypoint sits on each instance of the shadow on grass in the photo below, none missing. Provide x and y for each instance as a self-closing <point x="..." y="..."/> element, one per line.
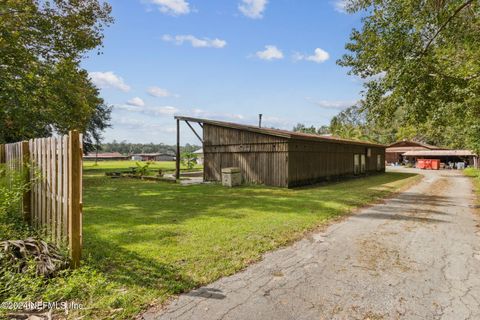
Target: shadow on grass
<point x="128" y="268"/>
<point x="135" y="231"/>
<point x="126" y="201"/>
<point x="392" y="176"/>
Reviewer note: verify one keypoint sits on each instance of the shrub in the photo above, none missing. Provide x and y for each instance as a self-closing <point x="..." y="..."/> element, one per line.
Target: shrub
<point x="188" y="159"/>
<point x="142" y="169"/>
<point x="12" y="187"/>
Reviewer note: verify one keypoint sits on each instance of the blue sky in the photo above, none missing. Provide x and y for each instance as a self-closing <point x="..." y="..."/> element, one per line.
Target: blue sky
<point x="222" y="59"/>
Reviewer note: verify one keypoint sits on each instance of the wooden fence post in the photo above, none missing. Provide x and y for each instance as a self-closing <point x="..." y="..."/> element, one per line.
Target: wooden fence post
<point x="74" y="192"/>
<point x="2" y="153"/>
<point x="27" y="210"/>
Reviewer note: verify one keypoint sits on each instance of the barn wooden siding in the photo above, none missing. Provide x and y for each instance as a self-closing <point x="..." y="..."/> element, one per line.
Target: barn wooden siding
<point x="261" y="158"/>
<point x="279" y="161"/>
<point x="316" y="161"/>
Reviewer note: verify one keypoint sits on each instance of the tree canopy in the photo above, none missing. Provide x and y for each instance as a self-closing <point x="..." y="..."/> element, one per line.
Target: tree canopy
<point x="300" y="127"/>
<point x="127" y="148"/>
<point x="419" y="60"/>
<point x="43" y="89"/>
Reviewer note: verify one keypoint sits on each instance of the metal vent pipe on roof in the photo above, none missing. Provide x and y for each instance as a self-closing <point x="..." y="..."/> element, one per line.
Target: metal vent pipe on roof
<point x="260" y="120"/>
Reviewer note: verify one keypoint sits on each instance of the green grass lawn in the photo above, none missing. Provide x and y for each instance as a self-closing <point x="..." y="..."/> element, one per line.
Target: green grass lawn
<point x="146" y="241"/>
<point x="109" y="166"/>
<point x="475" y="174"/>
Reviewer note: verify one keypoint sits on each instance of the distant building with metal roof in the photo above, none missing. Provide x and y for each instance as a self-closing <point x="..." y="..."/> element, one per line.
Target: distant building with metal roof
<point x="412" y="151"/>
<point x="102" y="156"/>
<point x="153" y="157"/>
<point x="395" y="152"/>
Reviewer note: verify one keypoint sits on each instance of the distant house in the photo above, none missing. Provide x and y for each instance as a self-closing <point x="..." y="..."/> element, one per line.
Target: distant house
<point x="104" y="156"/>
<point x="199" y="155"/>
<point x="153" y="157"/>
<point x="445" y="156"/>
<point x="395" y="152"/>
<point x="412" y="151"/>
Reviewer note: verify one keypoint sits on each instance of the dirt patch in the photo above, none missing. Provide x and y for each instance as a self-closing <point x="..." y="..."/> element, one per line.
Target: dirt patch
<point x="373" y="316"/>
<point x="380" y="255"/>
<point x="375" y="256"/>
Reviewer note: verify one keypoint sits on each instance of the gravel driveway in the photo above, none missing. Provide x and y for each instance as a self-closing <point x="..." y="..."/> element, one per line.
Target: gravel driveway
<point x="416" y="256"/>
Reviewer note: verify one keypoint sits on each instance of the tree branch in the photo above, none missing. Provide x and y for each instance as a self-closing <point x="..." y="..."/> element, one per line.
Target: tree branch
<point x="460" y="8"/>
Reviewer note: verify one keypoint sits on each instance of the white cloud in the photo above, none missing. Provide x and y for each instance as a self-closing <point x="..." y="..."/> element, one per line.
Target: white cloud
<point x="171" y="111"/>
<point x="173" y="7"/>
<point x="136" y="102"/>
<point x="270" y="53"/>
<point x="141" y="126"/>
<point x="253" y="8"/>
<point x="340" y="6"/>
<point x="267" y="121"/>
<point x="109" y="80"/>
<point x="159" y="92"/>
<point x="126" y="121"/>
<point x="216" y="115"/>
<point x="333" y="104"/>
<point x="164" y="111"/>
<point x="195" y="42"/>
<point x="319" y="56"/>
<point x="126" y="107"/>
<point x="277" y="122"/>
<point x="148" y="110"/>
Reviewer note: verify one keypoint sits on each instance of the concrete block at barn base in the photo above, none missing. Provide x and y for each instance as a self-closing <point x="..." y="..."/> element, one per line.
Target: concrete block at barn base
<point x="231" y="177"/>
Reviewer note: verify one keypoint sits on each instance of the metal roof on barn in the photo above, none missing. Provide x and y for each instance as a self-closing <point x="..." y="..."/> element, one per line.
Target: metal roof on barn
<point x="400" y="146"/>
<point x="279" y="133"/>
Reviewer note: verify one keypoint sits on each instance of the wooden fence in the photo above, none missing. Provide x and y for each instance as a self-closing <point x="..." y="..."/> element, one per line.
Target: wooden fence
<point x="53" y="204"/>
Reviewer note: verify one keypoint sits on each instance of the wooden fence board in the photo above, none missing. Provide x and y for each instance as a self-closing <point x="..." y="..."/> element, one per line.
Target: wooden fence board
<point x="48" y="187"/>
<point x="2" y="153"/>
<point x="58" y="195"/>
<point x="27" y="210"/>
<point x="43" y="190"/>
<point x="65" y="186"/>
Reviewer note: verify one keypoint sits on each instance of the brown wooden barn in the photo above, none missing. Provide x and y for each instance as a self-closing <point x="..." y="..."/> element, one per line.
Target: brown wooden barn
<point x="282" y="158"/>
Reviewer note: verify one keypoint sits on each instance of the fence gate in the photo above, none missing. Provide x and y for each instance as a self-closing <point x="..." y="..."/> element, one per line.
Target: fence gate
<point x="53" y="204"/>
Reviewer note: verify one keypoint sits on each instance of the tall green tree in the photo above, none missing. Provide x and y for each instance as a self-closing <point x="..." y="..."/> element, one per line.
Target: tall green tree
<point x="352" y="123"/>
<point x="300" y="127"/>
<point x="420" y="63"/>
<point x="43" y="89"/>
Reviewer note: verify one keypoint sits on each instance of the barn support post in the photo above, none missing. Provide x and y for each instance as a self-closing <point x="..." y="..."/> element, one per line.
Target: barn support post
<point x="177" y="160"/>
<point x="195" y="132"/>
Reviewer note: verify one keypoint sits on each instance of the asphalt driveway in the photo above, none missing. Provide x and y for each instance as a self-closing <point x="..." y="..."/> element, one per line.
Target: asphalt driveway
<point x="416" y="256"/>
